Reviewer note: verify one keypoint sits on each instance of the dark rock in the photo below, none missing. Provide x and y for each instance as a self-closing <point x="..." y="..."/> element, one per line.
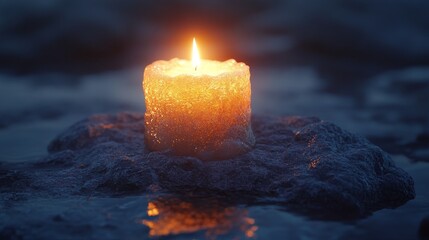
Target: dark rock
<point x="423" y="138"/>
<point x="424" y="229"/>
<point x="10" y="233"/>
<point x="13" y="179"/>
<point x="298" y="161"/>
<point x="58" y="218"/>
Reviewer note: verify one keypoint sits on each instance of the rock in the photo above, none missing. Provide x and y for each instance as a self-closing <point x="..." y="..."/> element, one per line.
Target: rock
<point x="424" y="229"/>
<point x="302" y="162"/>
<point x="10" y="233"/>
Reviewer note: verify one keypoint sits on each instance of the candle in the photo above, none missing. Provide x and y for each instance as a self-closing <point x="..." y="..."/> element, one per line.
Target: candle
<point x="198" y="108"/>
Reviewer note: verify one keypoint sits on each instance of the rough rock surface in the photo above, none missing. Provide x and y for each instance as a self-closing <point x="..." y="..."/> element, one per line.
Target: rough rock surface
<point x="297" y="161"/>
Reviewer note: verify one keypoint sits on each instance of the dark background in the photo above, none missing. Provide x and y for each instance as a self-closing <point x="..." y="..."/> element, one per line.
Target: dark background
<point x="81" y="37"/>
<point x="361" y="64"/>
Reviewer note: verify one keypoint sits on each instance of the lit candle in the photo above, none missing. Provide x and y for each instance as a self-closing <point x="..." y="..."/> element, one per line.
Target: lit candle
<point x="198" y="108"/>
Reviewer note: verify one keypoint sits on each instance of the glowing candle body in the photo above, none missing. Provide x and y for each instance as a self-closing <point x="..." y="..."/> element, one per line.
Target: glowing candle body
<point x="203" y="112"/>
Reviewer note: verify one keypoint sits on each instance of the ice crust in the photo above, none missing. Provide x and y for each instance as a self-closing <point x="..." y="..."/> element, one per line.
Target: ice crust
<point x="301" y="162"/>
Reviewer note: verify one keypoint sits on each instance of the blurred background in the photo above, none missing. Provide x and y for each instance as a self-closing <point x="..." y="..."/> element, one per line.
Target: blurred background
<point x="361" y="64"/>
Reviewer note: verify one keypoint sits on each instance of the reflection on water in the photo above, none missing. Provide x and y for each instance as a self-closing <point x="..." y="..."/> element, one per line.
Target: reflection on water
<point x="172" y="216"/>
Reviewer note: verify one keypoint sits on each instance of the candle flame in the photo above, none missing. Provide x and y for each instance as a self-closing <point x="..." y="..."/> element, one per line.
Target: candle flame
<point x="195" y="55"/>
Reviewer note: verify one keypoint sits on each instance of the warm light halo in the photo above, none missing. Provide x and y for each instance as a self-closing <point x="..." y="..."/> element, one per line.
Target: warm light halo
<point x="195" y="55"/>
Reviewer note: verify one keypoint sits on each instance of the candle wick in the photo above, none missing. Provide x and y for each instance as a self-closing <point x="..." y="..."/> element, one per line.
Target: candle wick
<point x="196" y="68"/>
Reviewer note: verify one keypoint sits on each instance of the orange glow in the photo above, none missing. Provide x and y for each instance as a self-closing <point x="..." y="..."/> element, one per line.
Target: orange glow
<point x="152" y="210"/>
<point x="202" y="112"/>
<point x="196" y="61"/>
<point x="314" y="163"/>
<point x="175" y="216"/>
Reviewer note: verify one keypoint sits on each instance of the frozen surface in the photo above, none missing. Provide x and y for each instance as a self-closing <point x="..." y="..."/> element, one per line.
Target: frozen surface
<point x="305" y="163"/>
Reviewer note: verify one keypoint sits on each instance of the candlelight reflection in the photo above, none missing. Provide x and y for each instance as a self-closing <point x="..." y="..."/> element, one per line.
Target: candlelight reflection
<point x="176" y="216"/>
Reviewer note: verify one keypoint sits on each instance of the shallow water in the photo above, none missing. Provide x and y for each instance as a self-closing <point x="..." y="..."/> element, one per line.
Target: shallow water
<point x="396" y="120"/>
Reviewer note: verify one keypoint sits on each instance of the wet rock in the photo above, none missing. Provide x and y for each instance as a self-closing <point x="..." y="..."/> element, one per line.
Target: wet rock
<point x="302" y="162"/>
<point x="423" y="138"/>
<point x="424" y="229"/>
<point x="58" y="218"/>
<point x="12" y="180"/>
<point x="10" y="233"/>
